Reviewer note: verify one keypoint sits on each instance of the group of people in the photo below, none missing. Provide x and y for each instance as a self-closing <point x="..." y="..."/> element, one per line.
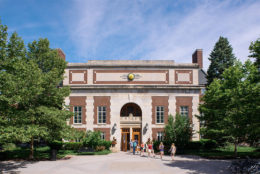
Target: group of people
<point x="148" y="147"/>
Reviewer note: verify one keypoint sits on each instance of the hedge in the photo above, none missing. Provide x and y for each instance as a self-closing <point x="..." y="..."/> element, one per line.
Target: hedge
<point x="72" y="145"/>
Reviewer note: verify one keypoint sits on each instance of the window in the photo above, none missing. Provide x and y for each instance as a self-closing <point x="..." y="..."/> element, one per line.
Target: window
<point x="102" y="114"/>
<point x="184" y="111"/>
<point x="160" y="136"/>
<point x="159" y="114"/>
<point x="77" y="114"/>
<point x="103" y="135"/>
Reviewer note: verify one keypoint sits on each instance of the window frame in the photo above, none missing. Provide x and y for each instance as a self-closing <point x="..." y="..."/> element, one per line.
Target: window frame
<point x="103" y="135"/>
<point x="161" y="135"/>
<point x="161" y="114"/>
<point x="184" y="113"/>
<point x="101" y="116"/>
<point x="77" y="114"/>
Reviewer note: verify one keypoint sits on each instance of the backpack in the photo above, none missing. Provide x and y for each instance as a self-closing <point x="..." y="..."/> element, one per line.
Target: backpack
<point x="134" y="144"/>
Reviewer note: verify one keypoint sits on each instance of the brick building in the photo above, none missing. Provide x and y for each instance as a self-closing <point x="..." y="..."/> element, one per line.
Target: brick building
<point x="131" y="99"/>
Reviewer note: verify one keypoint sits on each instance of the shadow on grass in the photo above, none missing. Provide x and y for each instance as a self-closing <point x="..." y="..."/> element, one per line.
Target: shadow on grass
<point x="195" y="166"/>
<point x="12" y="166"/>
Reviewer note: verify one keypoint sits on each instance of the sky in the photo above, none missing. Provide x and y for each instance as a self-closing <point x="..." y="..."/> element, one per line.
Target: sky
<point x="135" y="29"/>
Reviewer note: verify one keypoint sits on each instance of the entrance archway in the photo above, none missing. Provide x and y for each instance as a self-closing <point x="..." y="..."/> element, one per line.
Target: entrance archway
<point x="130" y="121"/>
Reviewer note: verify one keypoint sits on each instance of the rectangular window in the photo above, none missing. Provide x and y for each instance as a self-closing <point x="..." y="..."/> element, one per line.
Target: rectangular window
<point x="102" y="114"/>
<point x="160" y="136"/>
<point x="77" y="110"/>
<point x="184" y="111"/>
<point x="159" y="114"/>
<point x="103" y="135"/>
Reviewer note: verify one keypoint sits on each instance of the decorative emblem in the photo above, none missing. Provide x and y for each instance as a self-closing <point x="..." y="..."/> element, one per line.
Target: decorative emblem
<point x="130" y="76"/>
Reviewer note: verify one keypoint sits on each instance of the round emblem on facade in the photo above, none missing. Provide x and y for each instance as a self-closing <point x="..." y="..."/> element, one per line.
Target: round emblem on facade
<point x="131" y="76"/>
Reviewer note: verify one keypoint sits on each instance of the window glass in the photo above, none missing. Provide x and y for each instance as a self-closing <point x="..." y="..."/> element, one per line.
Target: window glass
<point x="184" y="111"/>
<point x="159" y="114"/>
<point x="102" y="114"/>
<point x="77" y="114"/>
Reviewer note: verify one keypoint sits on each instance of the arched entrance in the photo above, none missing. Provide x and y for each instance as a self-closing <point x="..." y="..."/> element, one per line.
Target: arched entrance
<point x="130" y="122"/>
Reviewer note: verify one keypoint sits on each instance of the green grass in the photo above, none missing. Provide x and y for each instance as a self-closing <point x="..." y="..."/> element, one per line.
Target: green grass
<point x="42" y="153"/>
<point x="226" y="152"/>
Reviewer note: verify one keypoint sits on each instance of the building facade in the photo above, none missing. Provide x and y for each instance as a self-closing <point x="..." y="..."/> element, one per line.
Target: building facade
<point x="132" y="99"/>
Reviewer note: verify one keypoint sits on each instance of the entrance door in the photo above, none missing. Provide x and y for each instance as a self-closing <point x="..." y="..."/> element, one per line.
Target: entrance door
<point x="136" y="135"/>
<point x="125" y="139"/>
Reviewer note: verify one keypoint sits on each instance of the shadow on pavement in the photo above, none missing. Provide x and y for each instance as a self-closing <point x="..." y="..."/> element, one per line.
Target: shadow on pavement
<point x="11" y="166"/>
<point x="201" y="166"/>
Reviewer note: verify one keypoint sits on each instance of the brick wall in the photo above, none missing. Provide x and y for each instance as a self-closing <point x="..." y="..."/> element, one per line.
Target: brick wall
<point x="160" y="101"/>
<point x="155" y="131"/>
<point x="106" y="131"/>
<point x="78" y="101"/>
<point x="184" y="101"/>
<point x="101" y="101"/>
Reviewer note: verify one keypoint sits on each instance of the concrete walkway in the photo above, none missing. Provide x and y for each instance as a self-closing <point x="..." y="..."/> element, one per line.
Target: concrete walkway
<point x="119" y="163"/>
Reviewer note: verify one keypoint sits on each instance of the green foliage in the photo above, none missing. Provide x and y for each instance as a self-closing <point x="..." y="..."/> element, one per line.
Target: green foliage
<point x="72" y="145"/>
<point x="203" y="144"/>
<point x="231" y="106"/>
<point x="92" y="139"/>
<point x="57" y="145"/>
<point x="9" y="146"/>
<point x="220" y="58"/>
<point x="31" y="101"/>
<point x="178" y="131"/>
<point x="254" y="49"/>
<point x="106" y="144"/>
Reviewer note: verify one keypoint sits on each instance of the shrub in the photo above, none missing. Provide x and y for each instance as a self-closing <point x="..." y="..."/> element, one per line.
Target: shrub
<point x="9" y="146"/>
<point x="156" y="145"/>
<point x="195" y="145"/>
<point x="100" y="148"/>
<point x="209" y="144"/>
<point x="57" y="145"/>
<point x="72" y="145"/>
<point x="106" y="144"/>
<point x="92" y="139"/>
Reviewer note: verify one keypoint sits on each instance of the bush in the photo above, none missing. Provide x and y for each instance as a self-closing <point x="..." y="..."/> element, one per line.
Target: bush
<point x="209" y="144"/>
<point x="92" y="140"/>
<point x="57" y="145"/>
<point x="106" y="144"/>
<point x="194" y="145"/>
<point x="9" y="146"/>
<point x="100" y="148"/>
<point x="156" y="145"/>
<point x="72" y="145"/>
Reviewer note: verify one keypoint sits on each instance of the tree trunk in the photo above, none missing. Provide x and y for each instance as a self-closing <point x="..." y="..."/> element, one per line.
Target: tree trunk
<point x="235" y="150"/>
<point x="31" y="149"/>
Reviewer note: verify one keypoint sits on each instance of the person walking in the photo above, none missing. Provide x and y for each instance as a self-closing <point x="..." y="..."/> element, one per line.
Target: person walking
<point x="172" y="151"/>
<point x="161" y="148"/>
<point x="134" y="146"/>
<point x="150" y="146"/>
<point x="142" y="149"/>
<point x="131" y="145"/>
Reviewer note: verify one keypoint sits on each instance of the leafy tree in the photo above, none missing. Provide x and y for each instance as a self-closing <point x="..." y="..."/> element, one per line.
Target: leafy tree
<point x="31" y="100"/>
<point x="231" y="105"/>
<point x="178" y="130"/>
<point x="254" y="49"/>
<point x="221" y="58"/>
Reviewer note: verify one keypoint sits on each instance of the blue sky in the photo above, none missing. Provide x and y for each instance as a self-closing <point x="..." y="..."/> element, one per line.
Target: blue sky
<point x="135" y="29"/>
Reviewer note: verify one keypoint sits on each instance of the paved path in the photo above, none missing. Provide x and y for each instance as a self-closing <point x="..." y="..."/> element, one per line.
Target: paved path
<point x="119" y="163"/>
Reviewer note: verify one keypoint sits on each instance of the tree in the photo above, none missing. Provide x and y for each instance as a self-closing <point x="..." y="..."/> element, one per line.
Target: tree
<point x="31" y="100"/>
<point x="231" y="105"/>
<point x="220" y="58"/>
<point x="178" y="130"/>
<point x="254" y="49"/>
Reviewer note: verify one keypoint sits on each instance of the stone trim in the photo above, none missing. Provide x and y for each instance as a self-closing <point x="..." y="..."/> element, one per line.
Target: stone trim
<point x="184" y="101"/>
<point x="184" y="71"/>
<point x="160" y="101"/>
<point x="130" y="82"/>
<point x="106" y="131"/>
<point x="101" y="101"/>
<point x="78" y="71"/>
<point x="155" y="131"/>
<point x="78" y="101"/>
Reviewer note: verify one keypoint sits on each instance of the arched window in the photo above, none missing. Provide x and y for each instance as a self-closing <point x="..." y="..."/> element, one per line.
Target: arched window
<point x="130" y="108"/>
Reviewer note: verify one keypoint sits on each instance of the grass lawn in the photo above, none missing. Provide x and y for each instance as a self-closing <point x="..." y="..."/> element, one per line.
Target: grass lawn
<point x="43" y="153"/>
<point x="226" y="152"/>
